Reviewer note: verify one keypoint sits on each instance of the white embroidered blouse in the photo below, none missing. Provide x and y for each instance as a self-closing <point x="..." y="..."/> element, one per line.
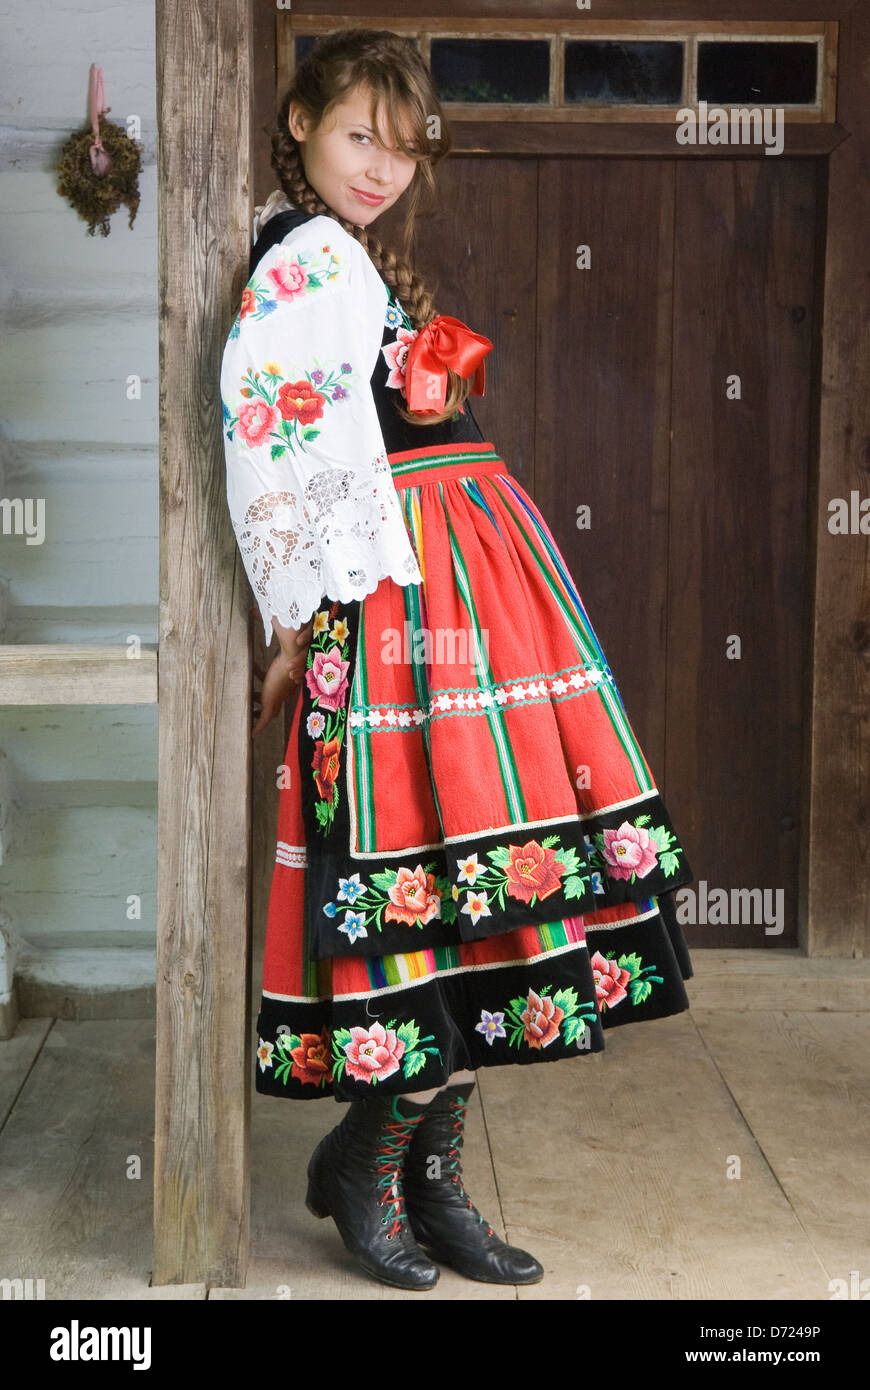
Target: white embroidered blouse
<point x="309" y="487"/>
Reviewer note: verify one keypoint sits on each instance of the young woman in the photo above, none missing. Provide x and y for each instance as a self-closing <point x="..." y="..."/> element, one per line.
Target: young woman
<point x="474" y="866"/>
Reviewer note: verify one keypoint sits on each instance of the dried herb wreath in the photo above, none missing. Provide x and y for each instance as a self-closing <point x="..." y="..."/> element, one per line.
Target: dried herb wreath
<point x="96" y="196"/>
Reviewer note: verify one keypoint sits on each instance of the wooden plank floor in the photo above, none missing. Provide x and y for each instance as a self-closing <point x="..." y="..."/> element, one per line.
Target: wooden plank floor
<point x="613" y="1169"/>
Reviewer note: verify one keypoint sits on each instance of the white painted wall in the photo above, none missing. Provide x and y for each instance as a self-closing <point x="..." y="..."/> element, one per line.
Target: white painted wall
<point x="79" y="315"/>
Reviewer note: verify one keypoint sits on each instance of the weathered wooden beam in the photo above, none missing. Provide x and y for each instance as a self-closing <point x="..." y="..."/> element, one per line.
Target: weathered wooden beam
<point x="204" y="1057"/>
<point x="91" y="674"/>
<point x="837" y="920"/>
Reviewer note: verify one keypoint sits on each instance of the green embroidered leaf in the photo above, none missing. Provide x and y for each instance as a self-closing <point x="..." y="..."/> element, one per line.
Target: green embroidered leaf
<point x="668" y="862"/>
<point x="385" y="879"/>
<point x="516" y="1036"/>
<point x="571" y="1028"/>
<point x="410" y="1035"/>
<point x="391" y="1024"/>
<point x="277" y="451"/>
<point x="568" y="857"/>
<point x="549" y="842"/>
<point x="433" y="1050"/>
<point x="642" y="820"/>
<point x="309" y="433"/>
<point x="414" y="1062"/>
<point x="449" y="910"/>
<point x="338" y="1067"/>
<point x="566" y="999"/>
<point x="499" y="856"/>
<point x="339" y="1038"/>
<point x="639" y="990"/>
<point x="517" y="1006"/>
<point x="320" y="811"/>
<point x="282" y="1071"/>
<point x="633" y="964"/>
<point x="575" y="886"/>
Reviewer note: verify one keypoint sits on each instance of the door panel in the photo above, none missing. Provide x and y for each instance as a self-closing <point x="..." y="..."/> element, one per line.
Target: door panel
<point x="738" y="554"/>
<point x="607" y="387"/>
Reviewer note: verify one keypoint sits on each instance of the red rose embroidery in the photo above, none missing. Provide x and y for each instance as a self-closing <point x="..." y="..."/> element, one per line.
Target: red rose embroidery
<point x="312" y="1062"/>
<point x="532" y="869"/>
<point x="298" y="400"/>
<point x="249" y="302"/>
<point x="610" y="981"/>
<point x="541" y="1018"/>
<point x="326" y="764"/>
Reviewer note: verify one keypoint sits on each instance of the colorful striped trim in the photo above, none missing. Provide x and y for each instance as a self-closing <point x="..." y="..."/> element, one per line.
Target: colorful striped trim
<point x="406" y="460"/>
<point x="391" y="974"/>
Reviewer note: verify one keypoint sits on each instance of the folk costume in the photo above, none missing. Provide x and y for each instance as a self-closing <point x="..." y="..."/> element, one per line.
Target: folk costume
<point x="474" y="866"/>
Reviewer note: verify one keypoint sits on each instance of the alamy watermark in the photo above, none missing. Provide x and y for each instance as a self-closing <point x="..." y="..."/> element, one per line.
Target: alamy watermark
<point x="741" y="125"/>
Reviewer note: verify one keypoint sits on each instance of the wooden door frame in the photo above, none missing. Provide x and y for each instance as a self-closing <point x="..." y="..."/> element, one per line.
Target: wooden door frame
<point x="205" y="188"/>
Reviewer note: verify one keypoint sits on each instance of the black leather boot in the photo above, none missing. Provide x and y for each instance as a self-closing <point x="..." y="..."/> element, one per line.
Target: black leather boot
<point x="355" y="1176"/>
<point x="442" y="1215"/>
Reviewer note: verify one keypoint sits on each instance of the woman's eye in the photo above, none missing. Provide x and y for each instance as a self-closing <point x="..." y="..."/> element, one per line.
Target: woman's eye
<point x="358" y="135"/>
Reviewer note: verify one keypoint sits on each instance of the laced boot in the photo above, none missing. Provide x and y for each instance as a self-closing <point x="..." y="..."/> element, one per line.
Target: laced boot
<point x="442" y="1215"/>
<point x="355" y="1176"/>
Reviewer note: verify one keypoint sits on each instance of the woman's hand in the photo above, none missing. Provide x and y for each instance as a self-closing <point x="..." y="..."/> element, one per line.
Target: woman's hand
<point x="294" y="647"/>
<point x="285" y="672"/>
<point x="277" y="686"/>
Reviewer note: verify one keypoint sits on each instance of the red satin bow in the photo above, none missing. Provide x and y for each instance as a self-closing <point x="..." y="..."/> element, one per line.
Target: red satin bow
<point x="443" y="343"/>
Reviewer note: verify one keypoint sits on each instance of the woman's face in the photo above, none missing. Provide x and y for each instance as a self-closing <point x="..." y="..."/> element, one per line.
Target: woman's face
<point x="350" y="165"/>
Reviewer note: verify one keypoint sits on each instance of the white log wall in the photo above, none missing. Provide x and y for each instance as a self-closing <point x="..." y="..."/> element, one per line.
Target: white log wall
<point x="79" y="316"/>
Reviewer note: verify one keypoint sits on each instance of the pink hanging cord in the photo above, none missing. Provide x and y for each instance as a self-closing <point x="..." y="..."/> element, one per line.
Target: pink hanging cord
<point x="101" y="160"/>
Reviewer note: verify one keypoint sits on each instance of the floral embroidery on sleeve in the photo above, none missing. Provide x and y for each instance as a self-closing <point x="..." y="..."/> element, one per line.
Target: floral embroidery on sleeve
<point x="284" y="415"/>
<point x="289" y="279"/>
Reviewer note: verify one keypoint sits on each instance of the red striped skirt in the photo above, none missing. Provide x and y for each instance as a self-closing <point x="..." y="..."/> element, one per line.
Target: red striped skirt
<point x="473" y="866"/>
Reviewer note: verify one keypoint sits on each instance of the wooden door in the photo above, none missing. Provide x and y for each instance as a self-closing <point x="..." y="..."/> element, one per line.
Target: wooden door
<point x="668" y="388"/>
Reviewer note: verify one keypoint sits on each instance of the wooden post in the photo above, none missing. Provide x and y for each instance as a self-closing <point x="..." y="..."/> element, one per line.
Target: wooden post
<point x="201" y="1176"/>
<point x="838" y="917"/>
